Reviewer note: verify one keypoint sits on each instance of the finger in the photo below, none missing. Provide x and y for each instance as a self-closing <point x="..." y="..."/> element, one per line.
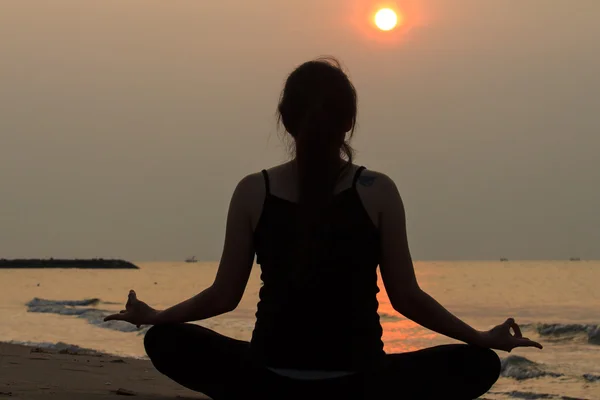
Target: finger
<point x="528" y="343"/>
<point x="503" y="327"/>
<point x="511" y="324"/>
<point x="131" y="299"/>
<point x="517" y="330"/>
<point x="508" y="323"/>
<point x="116" y="317"/>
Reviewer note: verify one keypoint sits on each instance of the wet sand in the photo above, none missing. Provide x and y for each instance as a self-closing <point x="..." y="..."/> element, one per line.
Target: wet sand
<point x="30" y="373"/>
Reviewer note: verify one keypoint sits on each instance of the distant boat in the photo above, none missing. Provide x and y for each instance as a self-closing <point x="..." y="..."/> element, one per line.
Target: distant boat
<point x="574" y="259"/>
<point x="504" y="259"/>
<point x="191" y="259"/>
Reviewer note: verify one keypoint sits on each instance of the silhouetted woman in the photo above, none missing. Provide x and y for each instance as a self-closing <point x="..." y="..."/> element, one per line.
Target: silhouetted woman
<point x="319" y="227"/>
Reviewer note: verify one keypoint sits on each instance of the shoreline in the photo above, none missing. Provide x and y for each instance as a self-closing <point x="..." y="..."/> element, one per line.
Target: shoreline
<point x="66" y="348"/>
<point x="30" y="372"/>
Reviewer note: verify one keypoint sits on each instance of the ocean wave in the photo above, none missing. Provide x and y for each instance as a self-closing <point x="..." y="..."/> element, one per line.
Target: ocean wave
<point x="594" y="336"/>
<point x="37" y="302"/>
<point x="517" y="394"/>
<point x="528" y="395"/>
<point x="520" y="368"/>
<point x="385" y="317"/>
<point x="563" y="329"/>
<point x="80" y="309"/>
<point x="569" y="331"/>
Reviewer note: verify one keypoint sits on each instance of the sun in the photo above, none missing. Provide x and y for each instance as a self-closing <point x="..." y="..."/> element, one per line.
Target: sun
<point x="386" y="19"/>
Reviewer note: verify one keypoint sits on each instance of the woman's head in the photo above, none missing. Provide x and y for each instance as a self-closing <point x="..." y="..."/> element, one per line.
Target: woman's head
<point x="319" y="103"/>
<point x="318" y="108"/>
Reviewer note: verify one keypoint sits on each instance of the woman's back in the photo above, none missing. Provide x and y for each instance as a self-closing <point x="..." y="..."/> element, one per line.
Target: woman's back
<point x="318" y="305"/>
<point x="319" y="238"/>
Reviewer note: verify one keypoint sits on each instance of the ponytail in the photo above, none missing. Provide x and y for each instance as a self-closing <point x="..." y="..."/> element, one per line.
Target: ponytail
<point x="319" y="164"/>
<point x="318" y="109"/>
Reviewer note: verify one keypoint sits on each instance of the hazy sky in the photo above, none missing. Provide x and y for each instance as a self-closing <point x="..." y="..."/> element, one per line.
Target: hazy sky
<point x="125" y="125"/>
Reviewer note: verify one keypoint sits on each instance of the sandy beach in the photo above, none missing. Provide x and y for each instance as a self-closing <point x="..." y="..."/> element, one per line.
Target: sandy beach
<point x="31" y="373"/>
<point x="556" y="303"/>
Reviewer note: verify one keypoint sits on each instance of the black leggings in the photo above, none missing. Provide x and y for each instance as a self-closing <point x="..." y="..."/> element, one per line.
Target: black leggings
<point x="219" y="367"/>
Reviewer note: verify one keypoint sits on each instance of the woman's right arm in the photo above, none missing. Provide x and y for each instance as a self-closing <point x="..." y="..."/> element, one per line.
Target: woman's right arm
<point x="399" y="276"/>
<point x="409" y="299"/>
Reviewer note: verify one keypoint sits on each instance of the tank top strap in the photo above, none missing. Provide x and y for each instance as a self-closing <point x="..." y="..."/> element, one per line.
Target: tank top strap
<point x="357" y="176"/>
<point x="267" y="182"/>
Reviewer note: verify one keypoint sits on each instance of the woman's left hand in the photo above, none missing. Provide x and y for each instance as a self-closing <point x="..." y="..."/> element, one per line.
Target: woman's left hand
<point x="501" y="338"/>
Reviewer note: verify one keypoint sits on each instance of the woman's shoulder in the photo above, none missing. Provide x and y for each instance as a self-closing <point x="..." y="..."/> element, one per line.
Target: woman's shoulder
<point x="251" y="184"/>
<point x="375" y="190"/>
<point x="376" y="180"/>
<point x="255" y="185"/>
<point x="248" y="197"/>
<point x="377" y="183"/>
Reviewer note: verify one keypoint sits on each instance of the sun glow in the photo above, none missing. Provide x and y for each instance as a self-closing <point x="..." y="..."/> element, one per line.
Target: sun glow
<point x="387" y="23"/>
<point x="386" y="19"/>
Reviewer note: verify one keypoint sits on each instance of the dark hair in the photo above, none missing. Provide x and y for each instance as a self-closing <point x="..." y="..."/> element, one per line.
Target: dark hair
<point x="318" y="108"/>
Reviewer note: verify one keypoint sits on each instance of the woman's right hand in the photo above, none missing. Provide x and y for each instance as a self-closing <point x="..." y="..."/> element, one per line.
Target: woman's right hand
<point x="136" y="312"/>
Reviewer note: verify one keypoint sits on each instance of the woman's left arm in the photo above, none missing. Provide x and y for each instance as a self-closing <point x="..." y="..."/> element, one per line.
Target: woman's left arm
<point x="234" y="269"/>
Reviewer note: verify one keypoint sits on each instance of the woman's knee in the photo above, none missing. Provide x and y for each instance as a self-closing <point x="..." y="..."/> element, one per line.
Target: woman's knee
<point x="480" y="369"/>
<point x="158" y="339"/>
<point x="491" y="361"/>
<point x="487" y="364"/>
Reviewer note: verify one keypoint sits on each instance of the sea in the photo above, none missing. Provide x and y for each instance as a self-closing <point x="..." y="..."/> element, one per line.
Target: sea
<point x="556" y="303"/>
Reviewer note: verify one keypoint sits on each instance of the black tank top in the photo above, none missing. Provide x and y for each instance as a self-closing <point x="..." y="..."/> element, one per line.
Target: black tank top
<point x="321" y="316"/>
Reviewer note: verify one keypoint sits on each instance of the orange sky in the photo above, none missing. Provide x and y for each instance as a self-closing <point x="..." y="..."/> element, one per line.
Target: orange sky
<point x="125" y="125"/>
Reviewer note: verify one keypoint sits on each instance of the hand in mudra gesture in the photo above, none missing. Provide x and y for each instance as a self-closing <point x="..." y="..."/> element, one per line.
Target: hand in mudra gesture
<point x="501" y="338"/>
<point x="136" y="312"/>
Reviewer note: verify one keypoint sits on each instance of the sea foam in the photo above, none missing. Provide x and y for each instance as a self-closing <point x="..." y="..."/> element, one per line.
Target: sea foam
<point x="520" y="368"/>
<point x="569" y="331"/>
<point x="591" y="377"/>
<point x="82" y="309"/>
<point x="517" y="394"/>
